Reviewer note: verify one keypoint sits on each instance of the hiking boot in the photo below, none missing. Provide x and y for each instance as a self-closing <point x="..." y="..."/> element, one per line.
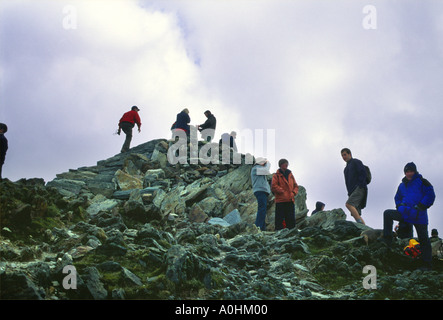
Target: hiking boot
<point x="427" y="266"/>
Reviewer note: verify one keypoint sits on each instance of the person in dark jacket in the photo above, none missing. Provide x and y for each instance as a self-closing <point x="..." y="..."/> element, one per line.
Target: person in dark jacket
<point x="208" y="126"/>
<point x="319" y="206"/>
<point x="3" y="146"/>
<point x="127" y="122"/>
<point x="415" y="195"/>
<point x="355" y="179"/>
<point x="182" y="121"/>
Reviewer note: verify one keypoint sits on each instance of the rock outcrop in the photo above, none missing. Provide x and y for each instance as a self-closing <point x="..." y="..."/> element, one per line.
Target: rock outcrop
<point x="136" y="227"/>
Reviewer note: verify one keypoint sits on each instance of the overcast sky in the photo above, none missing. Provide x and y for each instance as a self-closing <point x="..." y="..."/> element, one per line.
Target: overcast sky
<point x="319" y="75"/>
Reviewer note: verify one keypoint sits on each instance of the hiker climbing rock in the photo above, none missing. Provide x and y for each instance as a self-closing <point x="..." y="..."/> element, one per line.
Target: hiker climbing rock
<point x="127" y="122"/>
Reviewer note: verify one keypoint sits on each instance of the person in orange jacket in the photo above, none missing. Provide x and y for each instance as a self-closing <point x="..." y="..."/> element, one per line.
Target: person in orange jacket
<point x="285" y="188"/>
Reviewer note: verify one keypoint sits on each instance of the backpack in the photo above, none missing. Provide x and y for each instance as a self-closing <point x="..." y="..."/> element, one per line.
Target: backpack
<point x="368" y="175"/>
<point x="413" y="249"/>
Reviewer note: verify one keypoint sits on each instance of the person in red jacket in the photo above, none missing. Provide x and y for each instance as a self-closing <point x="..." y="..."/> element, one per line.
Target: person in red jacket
<point x="285" y="188"/>
<point x="127" y="122"/>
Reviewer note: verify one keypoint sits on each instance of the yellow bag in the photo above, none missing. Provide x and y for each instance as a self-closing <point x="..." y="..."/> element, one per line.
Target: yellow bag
<point x="413" y="249"/>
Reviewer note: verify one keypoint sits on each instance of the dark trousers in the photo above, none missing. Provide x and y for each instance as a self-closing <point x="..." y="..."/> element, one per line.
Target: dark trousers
<point x="262" y="202"/>
<point x="422" y="232"/>
<point x="284" y="211"/>
<point x="127" y="129"/>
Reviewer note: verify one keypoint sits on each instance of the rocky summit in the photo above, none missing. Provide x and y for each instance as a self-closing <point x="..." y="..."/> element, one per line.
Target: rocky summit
<point x="136" y="227"/>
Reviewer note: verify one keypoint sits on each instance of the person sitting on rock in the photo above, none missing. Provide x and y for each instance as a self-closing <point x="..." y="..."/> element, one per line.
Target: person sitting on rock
<point x="229" y="140"/>
<point x="182" y="121"/>
<point x="208" y="126"/>
<point x="414" y="196"/>
<point x="319" y="206"/>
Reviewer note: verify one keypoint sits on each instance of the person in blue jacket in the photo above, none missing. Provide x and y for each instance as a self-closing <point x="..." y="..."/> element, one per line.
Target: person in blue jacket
<point x="415" y="195"/>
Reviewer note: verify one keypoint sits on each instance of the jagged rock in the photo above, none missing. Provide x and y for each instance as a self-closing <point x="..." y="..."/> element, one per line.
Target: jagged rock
<point x="101" y="203"/>
<point x="153" y="175"/>
<point x="67" y="187"/>
<point x="91" y="278"/>
<point x="18" y="286"/>
<point x="127" y="182"/>
<point x="325" y="219"/>
<point x="183" y="265"/>
<point x="130" y="278"/>
<point x="230" y="219"/>
<point x="188" y="234"/>
<point x="197" y="214"/>
<point x="233" y="217"/>
<point x="159" y="157"/>
<point x="125" y="194"/>
<point x="90" y="229"/>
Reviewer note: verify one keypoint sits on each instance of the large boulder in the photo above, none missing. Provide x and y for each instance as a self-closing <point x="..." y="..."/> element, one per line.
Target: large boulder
<point x="325" y="219"/>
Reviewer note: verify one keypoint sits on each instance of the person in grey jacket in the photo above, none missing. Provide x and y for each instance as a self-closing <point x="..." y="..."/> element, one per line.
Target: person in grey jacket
<point x="261" y="189"/>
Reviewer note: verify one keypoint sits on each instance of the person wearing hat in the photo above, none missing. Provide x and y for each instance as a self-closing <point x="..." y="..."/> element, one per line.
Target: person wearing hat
<point x="436" y="243"/>
<point x="434" y="234"/>
<point x="261" y="189"/>
<point x="319" y="206"/>
<point x="415" y="195"/>
<point x="126" y="123"/>
<point x="209" y="125"/>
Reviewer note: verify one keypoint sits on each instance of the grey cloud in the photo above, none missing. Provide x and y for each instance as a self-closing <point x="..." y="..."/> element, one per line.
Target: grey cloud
<point x="307" y="69"/>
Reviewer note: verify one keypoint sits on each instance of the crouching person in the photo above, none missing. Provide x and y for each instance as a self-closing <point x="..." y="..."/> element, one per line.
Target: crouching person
<point x="414" y="196"/>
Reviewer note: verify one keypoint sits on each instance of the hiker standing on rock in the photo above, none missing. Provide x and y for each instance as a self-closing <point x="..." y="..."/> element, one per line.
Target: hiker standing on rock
<point x="356" y="185"/>
<point x="261" y="189"/>
<point x="414" y="196"/>
<point x="285" y="188"/>
<point x="126" y="124"/>
<point x="3" y="146"/>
